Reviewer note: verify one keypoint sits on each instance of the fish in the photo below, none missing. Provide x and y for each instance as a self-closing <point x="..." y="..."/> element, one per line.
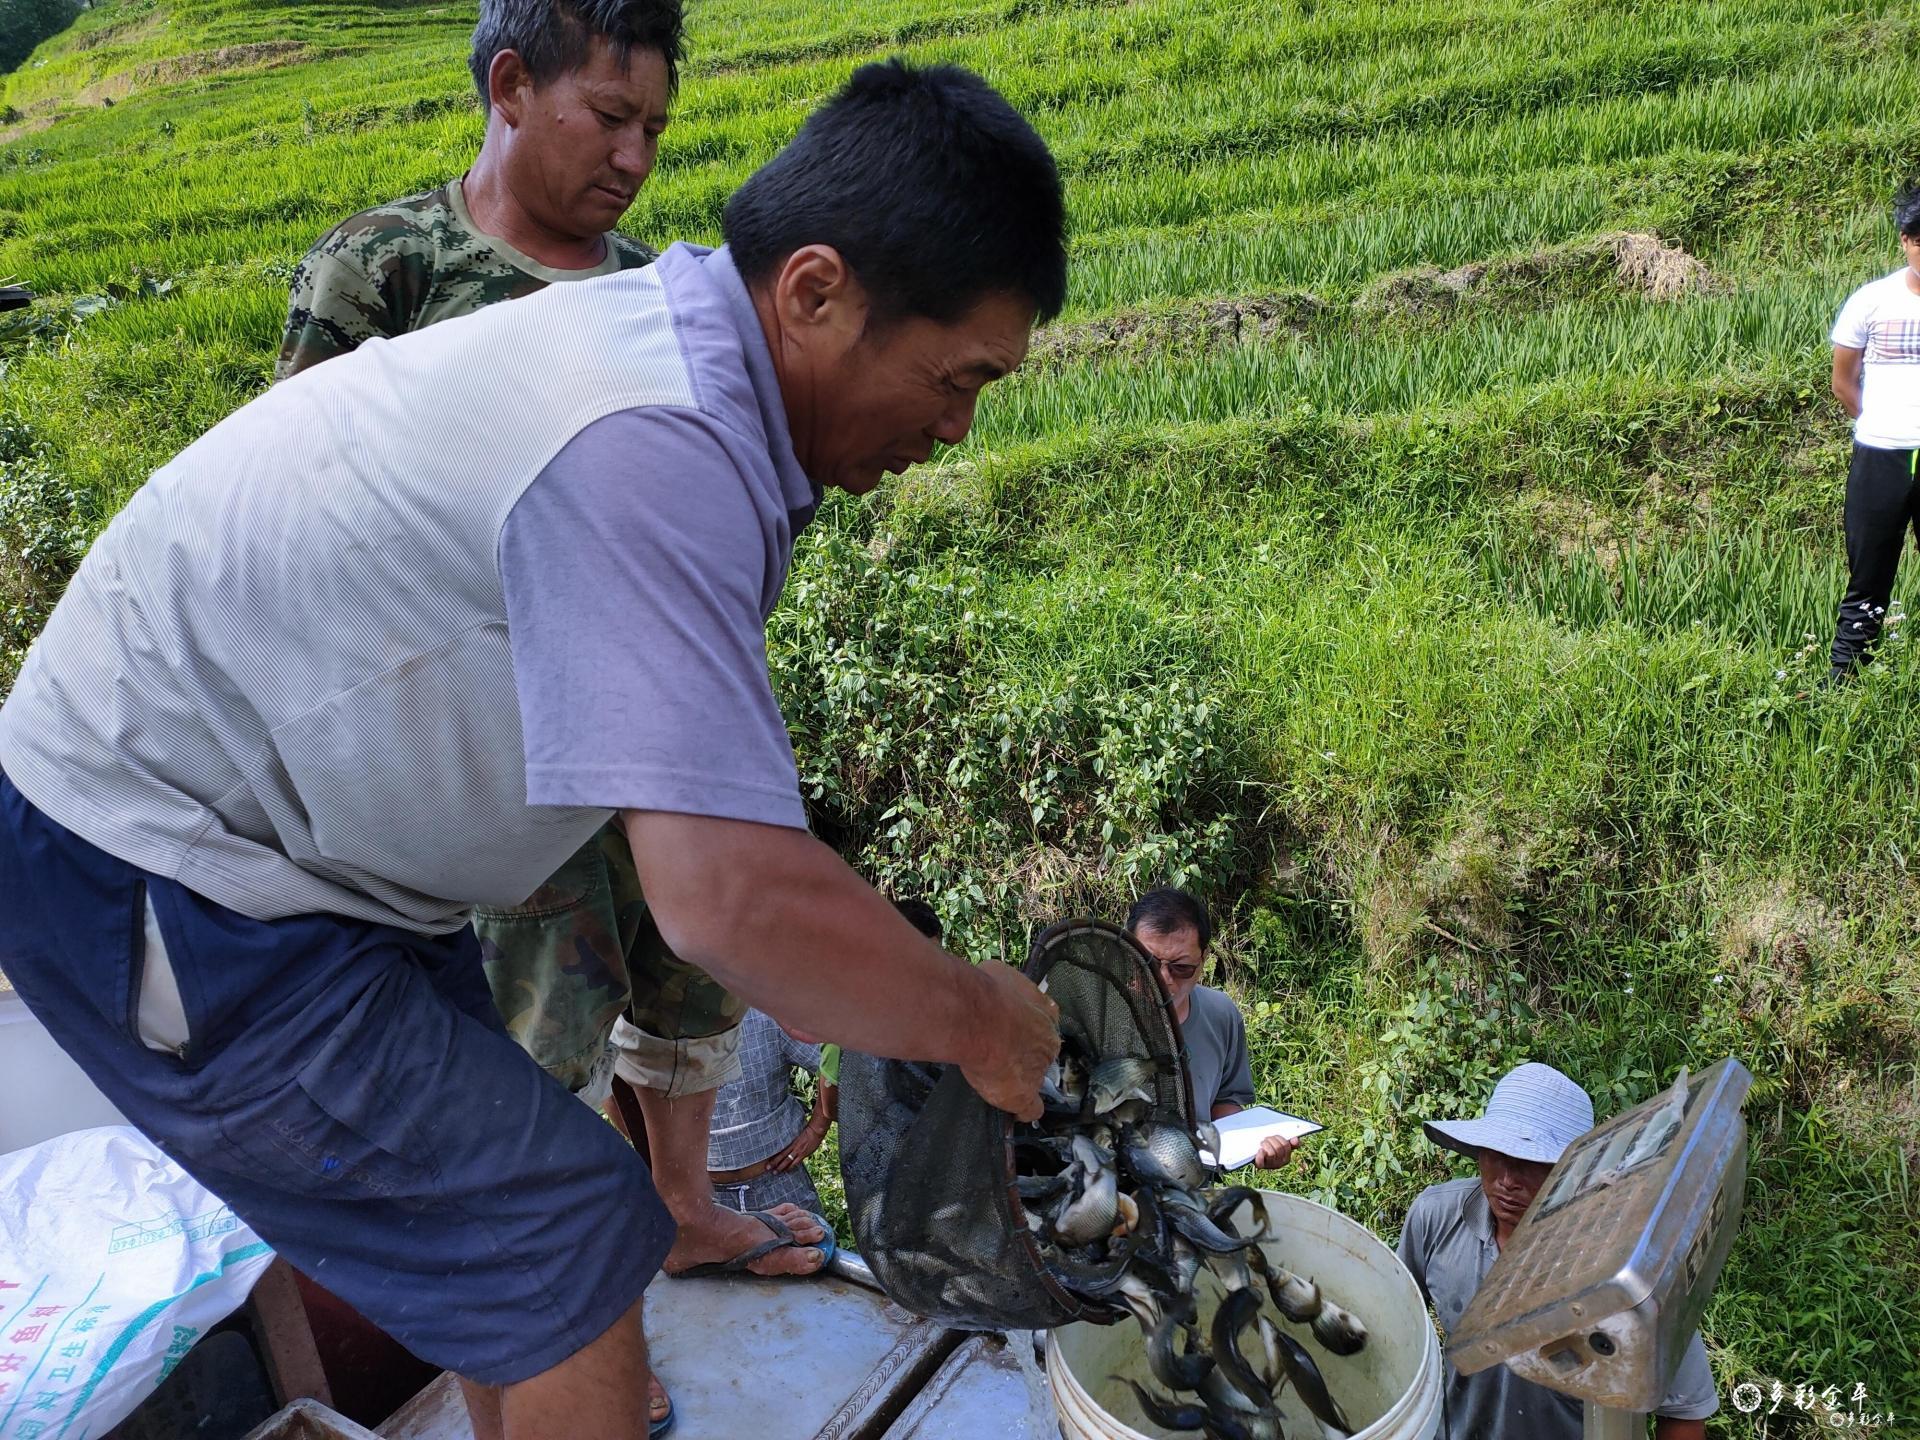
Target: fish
<point x="1176" y="1369"/>
<point x="1068" y="1073"/>
<point x="1231" y="1269"/>
<point x="1136" y="1109"/>
<point x="1121" y="1222"/>
<point x="1094" y="1281"/>
<point x="1153" y="1221"/>
<point x="1185" y="1263"/>
<point x="1091" y="1156"/>
<point x="1039" y="1189"/>
<point x="1207" y="1138"/>
<point x="1141" y="1300"/>
<point x="1183" y="1212"/>
<point x="1089" y="1215"/>
<point x="1309" y="1383"/>
<point x="1053" y="1099"/>
<point x="1221" y="1208"/>
<point x="1274" y="1372"/>
<point x="1297" y="1299"/>
<point x="1223" y="1396"/>
<point x="1158" y="1271"/>
<point x="1340" y="1331"/>
<point x="1118" y="1079"/>
<point x="1168" y="1414"/>
<point x="1243" y="1426"/>
<point x="1236" y="1312"/>
<point x="1162" y="1155"/>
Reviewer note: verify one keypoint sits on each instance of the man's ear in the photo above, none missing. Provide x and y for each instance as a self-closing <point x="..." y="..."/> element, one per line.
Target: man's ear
<point x="820" y="302"/>
<point x="509" y="86"/>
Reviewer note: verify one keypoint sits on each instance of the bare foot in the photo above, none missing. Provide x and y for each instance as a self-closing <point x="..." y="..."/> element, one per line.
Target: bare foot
<point x="724" y="1233"/>
<point x="657" y="1402"/>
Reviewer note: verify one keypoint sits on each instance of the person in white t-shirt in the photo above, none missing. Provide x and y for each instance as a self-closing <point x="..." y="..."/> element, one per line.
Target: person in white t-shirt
<point x="1876" y="375"/>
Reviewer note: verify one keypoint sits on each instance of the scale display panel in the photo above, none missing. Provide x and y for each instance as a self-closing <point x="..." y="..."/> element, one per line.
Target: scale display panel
<point x="1602" y="1283"/>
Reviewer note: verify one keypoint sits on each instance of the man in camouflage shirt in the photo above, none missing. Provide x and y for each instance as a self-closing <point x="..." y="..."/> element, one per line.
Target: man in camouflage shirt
<point x="410" y="263"/>
<point x="576" y="93"/>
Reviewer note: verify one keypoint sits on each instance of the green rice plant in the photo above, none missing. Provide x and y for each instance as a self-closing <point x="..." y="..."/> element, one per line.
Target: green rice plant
<point x="1762" y="591"/>
<point x="1346" y="367"/>
<point x="1457" y="652"/>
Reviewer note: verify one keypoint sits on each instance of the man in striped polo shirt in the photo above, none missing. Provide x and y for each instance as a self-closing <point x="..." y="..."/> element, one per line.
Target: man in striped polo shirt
<point x="402" y="633"/>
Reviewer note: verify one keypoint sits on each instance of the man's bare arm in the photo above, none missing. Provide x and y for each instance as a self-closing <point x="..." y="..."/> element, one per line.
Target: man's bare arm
<point x="1846" y="378"/>
<point x="784" y="923"/>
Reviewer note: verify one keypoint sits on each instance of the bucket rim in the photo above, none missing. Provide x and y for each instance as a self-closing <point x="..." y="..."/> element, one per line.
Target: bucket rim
<point x="1425" y="1387"/>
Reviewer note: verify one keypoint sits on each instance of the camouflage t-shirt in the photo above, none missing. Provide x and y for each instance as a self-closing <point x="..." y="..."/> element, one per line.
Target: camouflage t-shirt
<point x="413" y="263"/>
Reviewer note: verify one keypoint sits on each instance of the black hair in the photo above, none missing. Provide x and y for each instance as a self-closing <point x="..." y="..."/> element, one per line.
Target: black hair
<point x="930" y="185"/>
<point x="919" y="914"/>
<point x="1166" y="910"/>
<point x="552" y="37"/>
<point x="1906" y="210"/>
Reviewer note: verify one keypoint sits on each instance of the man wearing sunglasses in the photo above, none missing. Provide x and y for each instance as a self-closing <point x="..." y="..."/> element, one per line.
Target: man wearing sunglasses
<point x="1173" y="928"/>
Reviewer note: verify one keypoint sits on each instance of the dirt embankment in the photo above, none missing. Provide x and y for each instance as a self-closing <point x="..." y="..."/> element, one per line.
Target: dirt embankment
<point x="112" y="89"/>
<point x="1623" y="261"/>
<point x="1619" y="262"/>
<point x="1198" y="325"/>
<point x="261" y="55"/>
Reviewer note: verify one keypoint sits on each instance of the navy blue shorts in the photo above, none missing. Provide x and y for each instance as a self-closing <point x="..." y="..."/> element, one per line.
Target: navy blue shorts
<point x="350" y="1091"/>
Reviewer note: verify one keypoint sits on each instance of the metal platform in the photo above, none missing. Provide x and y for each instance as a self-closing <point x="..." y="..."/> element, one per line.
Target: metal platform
<point x="820" y="1359"/>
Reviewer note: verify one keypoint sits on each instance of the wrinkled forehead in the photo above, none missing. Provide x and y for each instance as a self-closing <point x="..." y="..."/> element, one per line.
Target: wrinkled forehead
<point x="638" y="83"/>
<point x="987" y="342"/>
<point x="996" y="332"/>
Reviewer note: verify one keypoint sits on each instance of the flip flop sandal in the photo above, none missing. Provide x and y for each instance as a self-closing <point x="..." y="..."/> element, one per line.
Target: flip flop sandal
<point x="657" y="1428"/>
<point x="782" y="1238"/>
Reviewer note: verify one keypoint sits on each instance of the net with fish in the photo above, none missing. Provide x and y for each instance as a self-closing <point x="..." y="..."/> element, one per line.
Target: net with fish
<point x="930" y="1168"/>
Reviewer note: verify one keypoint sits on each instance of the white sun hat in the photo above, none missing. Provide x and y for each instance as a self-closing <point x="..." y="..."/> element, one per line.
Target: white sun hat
<point x="1535" y="1114"/>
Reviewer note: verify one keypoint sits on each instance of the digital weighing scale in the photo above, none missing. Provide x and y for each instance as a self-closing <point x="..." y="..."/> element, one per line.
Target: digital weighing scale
<point x="1602" y="1283"/>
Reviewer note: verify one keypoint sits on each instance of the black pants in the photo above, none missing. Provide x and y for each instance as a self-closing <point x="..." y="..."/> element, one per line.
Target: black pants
<point x="1882" y="502"/>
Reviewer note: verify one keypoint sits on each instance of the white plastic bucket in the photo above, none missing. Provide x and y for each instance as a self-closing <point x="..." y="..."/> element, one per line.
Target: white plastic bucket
<point x="1392" y="1389"/>
<point x="42" y="1092"/>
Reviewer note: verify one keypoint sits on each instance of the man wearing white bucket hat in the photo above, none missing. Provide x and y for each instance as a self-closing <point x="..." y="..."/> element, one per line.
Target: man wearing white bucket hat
<point x="1455" y="1231"/>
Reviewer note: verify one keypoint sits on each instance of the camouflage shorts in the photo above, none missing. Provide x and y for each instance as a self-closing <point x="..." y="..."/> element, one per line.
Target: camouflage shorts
<point x="582" y="955"/>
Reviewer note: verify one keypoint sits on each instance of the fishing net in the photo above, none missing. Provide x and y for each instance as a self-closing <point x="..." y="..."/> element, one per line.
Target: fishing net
<point x="929" y="1165"/>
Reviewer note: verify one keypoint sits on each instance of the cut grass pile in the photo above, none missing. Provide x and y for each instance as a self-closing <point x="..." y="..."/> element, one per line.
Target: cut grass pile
<point x="1421" y="531"/>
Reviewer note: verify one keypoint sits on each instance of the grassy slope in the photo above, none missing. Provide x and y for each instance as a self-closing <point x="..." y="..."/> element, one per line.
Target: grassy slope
<point x="1461" y="646"/>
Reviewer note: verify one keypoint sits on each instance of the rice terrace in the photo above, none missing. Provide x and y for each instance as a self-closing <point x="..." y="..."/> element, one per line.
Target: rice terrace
<point x="1421" y="531"/>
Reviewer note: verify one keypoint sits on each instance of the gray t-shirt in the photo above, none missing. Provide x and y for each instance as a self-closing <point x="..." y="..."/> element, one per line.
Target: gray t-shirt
<point x="1216" y="1038"/>
<point x="1448" y="1246"/>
